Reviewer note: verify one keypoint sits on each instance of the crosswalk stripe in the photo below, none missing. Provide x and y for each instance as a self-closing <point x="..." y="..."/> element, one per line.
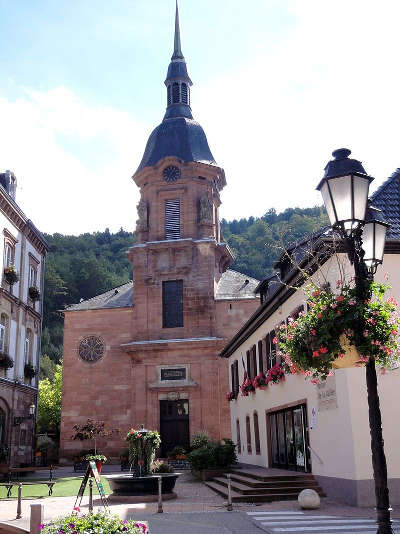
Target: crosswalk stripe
<point x="372" y="528"/>
<point x="292" y="519"/>
<point x="275" y="513"/>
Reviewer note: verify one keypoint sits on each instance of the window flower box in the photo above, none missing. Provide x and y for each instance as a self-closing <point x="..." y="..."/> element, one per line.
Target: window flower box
<point x="6" y="362"/>
<point x="34" y="293"/>
<point x="29" y="371"/>
<point x="11" y="275"/>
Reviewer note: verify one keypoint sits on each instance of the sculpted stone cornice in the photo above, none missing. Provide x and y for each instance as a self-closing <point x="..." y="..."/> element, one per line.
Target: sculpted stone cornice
<point x="16" y="216"/>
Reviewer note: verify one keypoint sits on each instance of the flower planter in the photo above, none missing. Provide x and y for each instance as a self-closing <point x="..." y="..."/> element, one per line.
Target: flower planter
<point x="33" y="293"/>
<point x="350" y="358"/>
<point x="99" y="466"/>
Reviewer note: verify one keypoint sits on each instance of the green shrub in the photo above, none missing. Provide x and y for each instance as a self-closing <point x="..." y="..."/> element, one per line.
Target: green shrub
<point x="200" y="439"/>
<point x="161" y="467"/>
<point x="213" y="456"/>
<point x="178" y="450"/>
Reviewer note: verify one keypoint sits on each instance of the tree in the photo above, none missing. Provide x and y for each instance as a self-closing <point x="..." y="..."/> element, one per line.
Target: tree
<point x="49" y="407"/>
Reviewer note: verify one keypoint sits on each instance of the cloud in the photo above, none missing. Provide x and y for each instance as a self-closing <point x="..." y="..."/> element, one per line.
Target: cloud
<point x="332" y="82"/>
<point x="73" y="161"/>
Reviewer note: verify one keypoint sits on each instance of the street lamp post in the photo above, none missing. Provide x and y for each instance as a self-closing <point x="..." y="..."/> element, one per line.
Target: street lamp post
<point x="344" y="189"/>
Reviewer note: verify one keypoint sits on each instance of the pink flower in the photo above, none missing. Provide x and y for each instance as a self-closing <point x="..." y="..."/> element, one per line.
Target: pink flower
<point x="339" y="312"/>
<point x="319" y="315"/>
<point x="308" y="373"/>
<point x="340" y="298"/>
<point x="315" y="381"/>
<point x="366" y="333"/>
<point x="352" y="302"/>
<point x="383" y="371"/>
<point x="316" y="293"/>
<point x="290" y="337"/>
<point x="323" y="350"/>
<point x="338" y="283"/>
<point x="333" y="306"/>
<point x="323" y="308"/>
<point x="313" y="332"/>
<point x="275" y="340"/>
<point x="315" y="354"/>
<point x="393" y="301"/>
<point x="340" y="355"/>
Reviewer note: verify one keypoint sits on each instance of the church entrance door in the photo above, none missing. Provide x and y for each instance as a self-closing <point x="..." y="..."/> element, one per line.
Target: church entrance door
<point x="174" y="425"/>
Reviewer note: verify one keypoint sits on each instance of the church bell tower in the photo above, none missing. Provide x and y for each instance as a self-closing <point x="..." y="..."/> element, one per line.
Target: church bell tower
<point x="180" y="255"/>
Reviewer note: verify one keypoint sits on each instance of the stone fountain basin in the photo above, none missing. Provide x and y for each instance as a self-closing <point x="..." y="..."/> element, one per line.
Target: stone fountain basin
<point x="128" y="485"/>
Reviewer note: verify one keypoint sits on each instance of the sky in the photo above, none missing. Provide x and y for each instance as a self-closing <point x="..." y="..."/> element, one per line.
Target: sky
<point x="278" y="85"/>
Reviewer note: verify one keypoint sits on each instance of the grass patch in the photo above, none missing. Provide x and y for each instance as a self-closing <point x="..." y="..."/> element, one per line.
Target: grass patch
<point x="65" y="487"/>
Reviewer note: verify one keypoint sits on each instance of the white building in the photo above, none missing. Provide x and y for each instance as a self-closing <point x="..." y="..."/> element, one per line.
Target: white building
<point x="22" y="250"/>
<point x="320" y="429"/>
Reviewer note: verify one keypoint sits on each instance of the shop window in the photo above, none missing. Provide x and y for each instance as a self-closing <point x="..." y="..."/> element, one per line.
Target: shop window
<point x="256" y="433"/>
<point x="248" y="435"/>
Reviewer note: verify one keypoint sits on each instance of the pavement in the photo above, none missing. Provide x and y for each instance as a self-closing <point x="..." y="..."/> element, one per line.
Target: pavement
<point x="198" y="510"/>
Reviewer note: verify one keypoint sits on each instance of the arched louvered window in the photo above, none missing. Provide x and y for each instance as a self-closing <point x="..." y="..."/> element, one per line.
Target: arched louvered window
<point x="169" y="95"/>
<point x="184" y="91"/>
<point x="175" y="93"/>
<point x="256" y="433"/>
<point x="248" y="435"/>
<point x="238" y="440"/>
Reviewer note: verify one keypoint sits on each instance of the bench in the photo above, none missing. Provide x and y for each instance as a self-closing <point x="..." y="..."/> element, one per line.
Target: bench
<point x="10" y="471"/>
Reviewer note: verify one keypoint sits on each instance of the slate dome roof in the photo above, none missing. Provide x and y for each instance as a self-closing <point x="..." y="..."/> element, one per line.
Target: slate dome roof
<point x="181" y="137"/>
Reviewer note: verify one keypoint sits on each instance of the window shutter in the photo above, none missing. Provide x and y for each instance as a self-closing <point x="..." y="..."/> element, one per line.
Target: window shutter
<point x="273" y="348"/>
<point x="268" y="351"/>
<point x="248" y="364"/>
<point x="260" y="357"/>
<point x="172" y="303"/>
<point x="236" y="382"/>
<point x="254" y="362"/>
<point x="172" y="219"/>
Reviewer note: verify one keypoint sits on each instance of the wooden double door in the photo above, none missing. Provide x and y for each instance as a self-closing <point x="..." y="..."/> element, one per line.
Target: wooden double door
<point x="174" y="425"/>
<point x="289" y="439"/>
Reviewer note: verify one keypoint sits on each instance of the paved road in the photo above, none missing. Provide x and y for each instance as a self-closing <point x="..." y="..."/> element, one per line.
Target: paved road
<point x="287" y="522"/>
<point x="200" y="523"/>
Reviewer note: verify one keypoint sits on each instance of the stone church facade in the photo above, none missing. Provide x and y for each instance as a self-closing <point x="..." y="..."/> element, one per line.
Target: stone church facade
<point x="147" y="352"/>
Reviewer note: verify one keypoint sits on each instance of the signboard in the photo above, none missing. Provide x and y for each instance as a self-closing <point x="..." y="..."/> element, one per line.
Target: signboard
<point x="92" y="471"/>
<point x="173" y="374"/>
<point x="327" y="399"/>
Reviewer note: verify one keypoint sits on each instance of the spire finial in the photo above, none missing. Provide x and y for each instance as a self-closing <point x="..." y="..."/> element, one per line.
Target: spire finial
<point x="177" y="40"/>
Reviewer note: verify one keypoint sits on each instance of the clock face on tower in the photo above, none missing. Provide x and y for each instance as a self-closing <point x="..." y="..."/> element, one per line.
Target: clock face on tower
<point x="171" y="173"/>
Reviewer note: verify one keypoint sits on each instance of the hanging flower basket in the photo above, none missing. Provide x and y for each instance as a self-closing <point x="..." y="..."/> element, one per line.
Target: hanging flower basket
<point x="11" y="275"/>
<point x="29" y="371"/>
<point x="341" y="331"/>
<point x="34" y="293"/>
<point x="6" y="362"/>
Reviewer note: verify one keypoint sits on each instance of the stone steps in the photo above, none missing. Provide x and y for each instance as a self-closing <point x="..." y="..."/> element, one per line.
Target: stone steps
<point x="248" y="486"/>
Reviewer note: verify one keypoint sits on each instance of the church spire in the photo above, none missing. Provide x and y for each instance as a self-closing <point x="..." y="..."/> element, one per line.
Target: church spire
<point x="177" y="40"/>
<point x="178" y="82"/>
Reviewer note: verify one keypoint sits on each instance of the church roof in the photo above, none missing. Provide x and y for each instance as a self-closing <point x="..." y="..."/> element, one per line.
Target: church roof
<point x="232" y="285"/>
<point x="178" y="135"/>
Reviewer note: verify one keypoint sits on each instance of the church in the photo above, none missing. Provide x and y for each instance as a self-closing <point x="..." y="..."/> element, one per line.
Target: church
<point x="147" y="352"/>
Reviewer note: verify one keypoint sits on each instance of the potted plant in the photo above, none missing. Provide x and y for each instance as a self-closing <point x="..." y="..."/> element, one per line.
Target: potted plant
<point x="29" y="371"/>
<point x="99" y="459"/>
<point x="92" y="430"/>
<point x="5" y="361"/>
<point x="34" y="293"/>
<point x="160" y="467"/>
<point x="11" y="275"/>
<point x="178" y="452"/>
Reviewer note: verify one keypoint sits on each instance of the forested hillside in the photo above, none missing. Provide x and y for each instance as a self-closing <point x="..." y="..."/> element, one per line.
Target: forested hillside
<point x="80" y="267"/>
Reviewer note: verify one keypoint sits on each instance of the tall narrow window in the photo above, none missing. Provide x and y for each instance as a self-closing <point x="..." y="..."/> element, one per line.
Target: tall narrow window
<point x="184" y="91"/>
<point x="248" y="364"/>
<point x="238" y="440"/>
<point x="175" y="93"/>
<point x="169" y="95"/>
<point x="3" y="332"/>
<point x="248" y="435"/>
<point x="172" y="303"/>
<point x="8" y="255"/>
<point x="172" y="219"/>
<point x="28" y="346"/>
<point x="256" y="433"/>
<point x="32" y="276"/>
<point x="260" y="357"/>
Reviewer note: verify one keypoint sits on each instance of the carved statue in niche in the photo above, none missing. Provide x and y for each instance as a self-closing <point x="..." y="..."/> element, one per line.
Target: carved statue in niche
<point x="206" y="209"/>
<point x="143" y="213"/>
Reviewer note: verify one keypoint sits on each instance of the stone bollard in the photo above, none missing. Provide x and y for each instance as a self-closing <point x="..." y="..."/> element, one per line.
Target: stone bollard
<point x="19" y="503"/>
<point x="309" y="499"/>
<point x="37" y="517"/>
<point x="229" y="507"/>
<point x="160" y="508"/>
